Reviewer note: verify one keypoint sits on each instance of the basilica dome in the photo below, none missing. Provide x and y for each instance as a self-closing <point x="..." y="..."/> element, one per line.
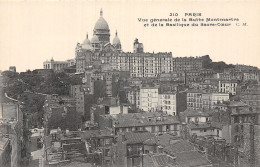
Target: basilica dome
<point x="101" y="24"/>
<point x="86" y="41"/>
<point x="94" y="39"/>
<point x="116" y="40"/>
<point x="101" y="29"/>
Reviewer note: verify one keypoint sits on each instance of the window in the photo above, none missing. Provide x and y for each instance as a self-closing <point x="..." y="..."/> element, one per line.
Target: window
<point x="106" y="152"/>
<point x="167" y="127"/>
<point x="175" y="127"/>
<point x="153" y="129"/>
<point x="236" y="119"/>
<point x="160" y="128"/>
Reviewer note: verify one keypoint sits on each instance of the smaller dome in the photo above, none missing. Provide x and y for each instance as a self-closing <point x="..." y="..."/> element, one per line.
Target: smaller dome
<point x="86" y="41"/>
<point x="95" y="38"/>
<point x="116" y="40"/>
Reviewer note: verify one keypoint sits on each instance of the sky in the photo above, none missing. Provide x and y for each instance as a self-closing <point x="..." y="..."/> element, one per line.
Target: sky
<point x="32" y="32"/>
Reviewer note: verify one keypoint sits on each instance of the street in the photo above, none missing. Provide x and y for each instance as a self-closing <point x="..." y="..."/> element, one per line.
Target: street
<point x="36" y="159"/>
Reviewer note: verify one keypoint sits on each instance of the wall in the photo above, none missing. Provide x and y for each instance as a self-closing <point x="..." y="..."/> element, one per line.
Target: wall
<point x="257" y="144"/>
<point x="208" y="132"/>
<point x="200" y="119"/>
<point x="149" y="99"/>
<point x="226" y="133"/>
<point x="181" y="102"/>
<point x="114" y="110"/>
<point x="125" y="110"/>
<point x="167" y="103"/>
<point x="219" y="97"/>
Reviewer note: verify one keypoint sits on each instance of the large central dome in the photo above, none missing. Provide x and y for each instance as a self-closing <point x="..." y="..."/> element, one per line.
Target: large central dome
<point x="101" y="29"/>
<point x="101" y="24"/>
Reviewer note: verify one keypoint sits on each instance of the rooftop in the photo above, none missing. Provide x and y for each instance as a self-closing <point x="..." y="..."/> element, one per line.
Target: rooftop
<point x="151" y="142"/>
<point x="195" y="91"/>
<point x="211" y="125"/>
<point x="191" y="158"/>
<point x="109" y="101"/>
<point x="96" y="133"/>
<point x="179" y="146"/>
<point x="167" y="138"/>
<point x="192" y="113"/>
<point x="137" y="137"/>
<point x="161" y="160"/>
<point x="144" y="119"/>
<point x="221" y="105"/>
<point x="245" y="111"/>
<point x="237" y="104"/>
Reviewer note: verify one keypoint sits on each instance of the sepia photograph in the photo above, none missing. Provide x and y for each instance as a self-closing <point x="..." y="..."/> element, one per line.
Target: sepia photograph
<point x="113" y="83"/>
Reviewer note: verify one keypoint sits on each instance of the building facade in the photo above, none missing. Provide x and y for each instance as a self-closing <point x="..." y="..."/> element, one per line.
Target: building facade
<point x="228" y="87"/>
<point x="149" y="98"/>
<point x="58" y="65"/>
<point x="199" y="99"/>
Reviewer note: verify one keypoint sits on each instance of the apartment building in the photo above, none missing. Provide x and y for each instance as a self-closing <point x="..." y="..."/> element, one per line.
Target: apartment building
<point x="194" y="99"/>
<point x="251" y="95"/>
<point x="133" y="96"/>
<point x="172" y="103"/>
<point x="167" y="103"/>
<point x="228" y="87"/>
<point x="198" y="99"/>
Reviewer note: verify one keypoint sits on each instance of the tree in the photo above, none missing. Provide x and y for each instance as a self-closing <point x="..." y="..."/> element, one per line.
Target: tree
<point x="206" y="61"/>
